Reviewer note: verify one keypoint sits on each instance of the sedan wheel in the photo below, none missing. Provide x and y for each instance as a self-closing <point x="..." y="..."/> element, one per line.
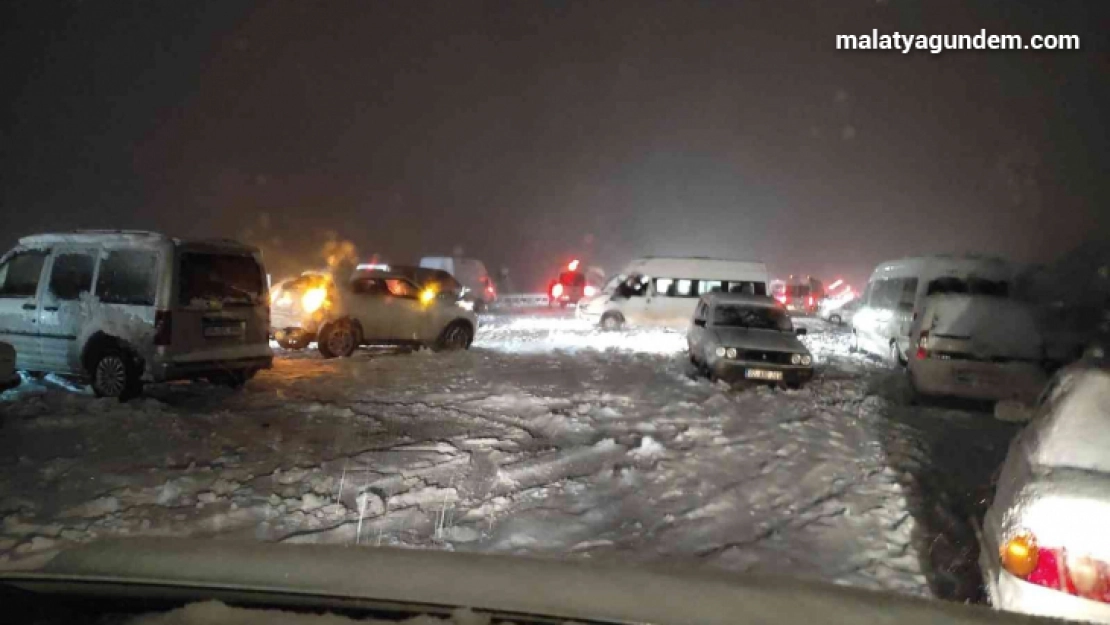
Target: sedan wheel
<point x="454" y="338"/>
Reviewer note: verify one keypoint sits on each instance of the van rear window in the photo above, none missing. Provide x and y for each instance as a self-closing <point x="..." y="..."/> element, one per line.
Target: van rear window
<point x="127" y="277"/>
<point x="968" y="286"/>
<point x="227" y="278"/>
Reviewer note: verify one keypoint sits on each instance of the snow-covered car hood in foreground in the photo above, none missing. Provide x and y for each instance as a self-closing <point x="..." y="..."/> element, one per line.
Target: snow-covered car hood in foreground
<point x="516" y="587"/>
<point x="770" y="340"/>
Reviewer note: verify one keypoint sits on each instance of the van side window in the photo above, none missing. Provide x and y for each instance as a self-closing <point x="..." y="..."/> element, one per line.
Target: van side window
<point x="909" y="294"/>
<point x="369" y="286"/>
<point x="71" y="275"/>
<point x="684" y="288"/>
<point x="127" y="277"/>
<point x="709" y="286"/>
<point x="664" y="287"/>
<point x="19" y="277"/>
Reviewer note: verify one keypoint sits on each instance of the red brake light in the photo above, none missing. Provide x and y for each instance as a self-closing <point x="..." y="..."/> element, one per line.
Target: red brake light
<point x="923" y="346"/>
<point x="163" y="327"/>
<point x="557" y="290"/>
<point x="1055" y="568"/>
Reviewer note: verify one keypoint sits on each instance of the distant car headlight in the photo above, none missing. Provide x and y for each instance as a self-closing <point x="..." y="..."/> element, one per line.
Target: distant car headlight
<point x="313" y="299"/>
<point x="731" y="352"/>
<point x="721" y="352"/>
<point x="806" y="360"/>
<point x="796" y="359"/>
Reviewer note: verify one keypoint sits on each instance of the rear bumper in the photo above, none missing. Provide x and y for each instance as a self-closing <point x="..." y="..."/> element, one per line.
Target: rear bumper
<point x="977" y="380"/>
<point x="734" y="371"/>
<point x="200" y="364"/>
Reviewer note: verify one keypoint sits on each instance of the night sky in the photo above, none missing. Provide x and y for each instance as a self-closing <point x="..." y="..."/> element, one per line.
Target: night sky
<point x="530" y="132"/>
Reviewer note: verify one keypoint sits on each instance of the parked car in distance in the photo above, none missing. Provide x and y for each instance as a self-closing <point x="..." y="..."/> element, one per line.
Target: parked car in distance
<point x="1044" y="545"/>
<point x="891" y="305"/>
<point x="736" y="337"/>
<point x="838" y="311"/>
<point x="471" y="274"/>
<point x="297" y="306"/>
<point x="8" y="376"/>
<point x="122" y="307"/>
<point x="388" y="307"/>
<point x="977" y="347"/>
<point x="801" y="296"/>
<point x="663" y="291"/>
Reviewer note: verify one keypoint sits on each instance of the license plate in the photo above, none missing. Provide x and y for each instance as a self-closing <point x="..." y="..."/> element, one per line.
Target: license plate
<point x="224" y="331"/>
<point x="762" y="374"/>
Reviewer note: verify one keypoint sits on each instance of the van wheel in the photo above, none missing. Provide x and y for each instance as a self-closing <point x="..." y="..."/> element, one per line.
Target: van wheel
<point x="115" y="373"/>
<point x="453" y="338"/>
<point x="338" y="339"/>
<point x="612" y="321"/>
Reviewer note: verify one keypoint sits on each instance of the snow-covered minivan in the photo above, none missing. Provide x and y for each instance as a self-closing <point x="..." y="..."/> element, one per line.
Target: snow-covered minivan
<point x="663" y="291"/>
<point x="891" y="305"/>
<point x="122" y="307"/>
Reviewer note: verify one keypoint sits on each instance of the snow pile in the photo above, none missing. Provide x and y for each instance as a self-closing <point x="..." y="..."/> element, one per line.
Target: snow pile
<point x="549" y="334"/>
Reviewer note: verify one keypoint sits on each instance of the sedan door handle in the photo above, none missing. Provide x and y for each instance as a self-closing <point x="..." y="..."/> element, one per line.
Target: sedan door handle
<point x="29" y="307"/>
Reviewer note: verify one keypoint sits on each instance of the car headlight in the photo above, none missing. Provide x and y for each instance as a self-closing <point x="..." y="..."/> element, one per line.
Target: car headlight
<point x="721" y="352"/>
<point x="731" y="352"/>
<point x="427" y="295"/>
<point x="313" y="299"/>
<point x="806" y="360"/>
<point x="796" y="359"/>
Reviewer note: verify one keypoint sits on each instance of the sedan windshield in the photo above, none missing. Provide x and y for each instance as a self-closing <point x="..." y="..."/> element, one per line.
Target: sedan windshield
<point x="755" y="317"/>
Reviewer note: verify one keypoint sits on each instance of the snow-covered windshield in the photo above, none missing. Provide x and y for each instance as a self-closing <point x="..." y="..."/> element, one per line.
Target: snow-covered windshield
<point x="754" y="317"/>
<point x="227" y="278"/>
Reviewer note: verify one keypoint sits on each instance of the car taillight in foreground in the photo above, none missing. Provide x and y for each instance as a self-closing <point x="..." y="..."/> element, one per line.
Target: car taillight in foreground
<point x="557" y="290"/>
<point x="1057" y="569"/>
<point x="163" y="327"/>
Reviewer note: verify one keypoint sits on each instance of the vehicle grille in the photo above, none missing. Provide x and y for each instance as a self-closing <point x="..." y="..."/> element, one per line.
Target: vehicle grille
<point x="758" y="355"/>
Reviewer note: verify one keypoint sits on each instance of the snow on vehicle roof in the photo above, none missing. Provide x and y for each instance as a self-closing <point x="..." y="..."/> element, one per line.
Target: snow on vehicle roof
<point x="713" y="299"/>
<point x="694" y="267"/>
<point x="137" y="238"/>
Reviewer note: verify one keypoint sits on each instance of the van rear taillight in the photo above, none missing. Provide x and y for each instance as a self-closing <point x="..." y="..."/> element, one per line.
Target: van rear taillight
<point x="923" y="345"/>
<point x="163" y="327"/>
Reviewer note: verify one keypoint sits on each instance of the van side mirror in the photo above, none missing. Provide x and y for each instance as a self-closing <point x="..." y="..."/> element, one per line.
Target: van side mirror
<point x="699" y="322"/>
<point x="800" y="331"/>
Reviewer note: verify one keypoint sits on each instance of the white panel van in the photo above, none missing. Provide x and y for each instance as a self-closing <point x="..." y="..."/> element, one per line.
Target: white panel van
<point x="663" y="291"/>
<point x="893" y="302"/>
<point x="121" y="307"/>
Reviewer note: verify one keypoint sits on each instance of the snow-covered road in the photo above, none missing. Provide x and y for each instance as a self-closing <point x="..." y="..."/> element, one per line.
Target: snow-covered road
<point x="547" y="437"/>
